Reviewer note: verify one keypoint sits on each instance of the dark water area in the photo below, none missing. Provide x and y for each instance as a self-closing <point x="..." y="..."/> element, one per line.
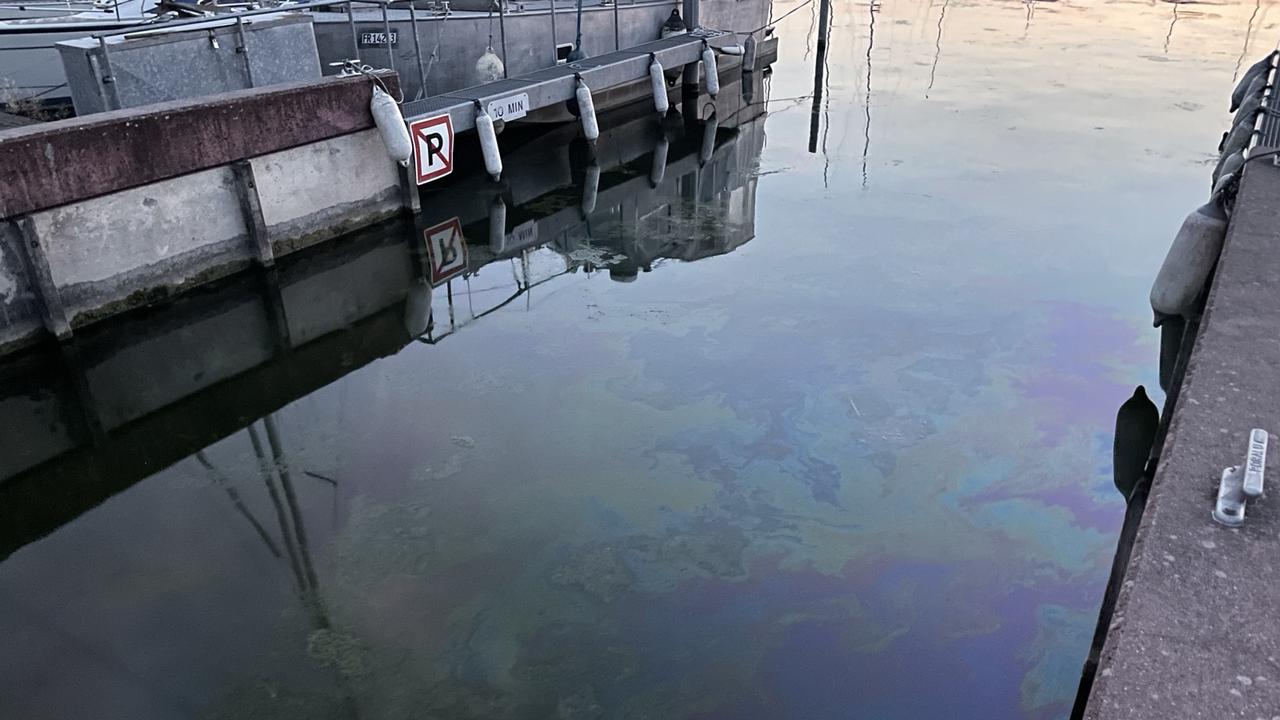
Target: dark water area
<point x="715" y="427"/>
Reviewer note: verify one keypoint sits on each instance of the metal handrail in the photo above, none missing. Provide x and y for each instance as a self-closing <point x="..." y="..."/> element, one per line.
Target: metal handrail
<point x="231" y="17"/>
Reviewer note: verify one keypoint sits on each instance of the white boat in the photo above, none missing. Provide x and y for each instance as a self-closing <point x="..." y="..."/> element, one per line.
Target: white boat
<point x="17" y="9"/>
<point x="30" y="68"/>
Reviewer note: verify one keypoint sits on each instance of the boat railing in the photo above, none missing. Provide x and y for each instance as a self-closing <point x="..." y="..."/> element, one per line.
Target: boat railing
<point x="106" y="78"/>
<point x="238" y="18"/>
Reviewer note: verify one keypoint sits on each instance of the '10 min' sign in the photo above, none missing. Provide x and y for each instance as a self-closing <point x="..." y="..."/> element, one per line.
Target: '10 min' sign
<point x="511" y="107"/>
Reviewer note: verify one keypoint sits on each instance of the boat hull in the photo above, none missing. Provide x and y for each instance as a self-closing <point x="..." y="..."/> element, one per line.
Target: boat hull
<point x="532" y="38"/>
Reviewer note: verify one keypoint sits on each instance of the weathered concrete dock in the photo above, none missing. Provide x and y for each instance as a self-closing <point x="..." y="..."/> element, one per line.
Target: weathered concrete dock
<point x="1194" y="630"/>
<point x="108" y="212"/>
<point x="102" y="214"/>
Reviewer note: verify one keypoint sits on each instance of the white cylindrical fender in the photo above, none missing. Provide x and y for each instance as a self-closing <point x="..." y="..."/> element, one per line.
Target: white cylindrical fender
<point x="1228" y="165"/>
<point x="711" y="77"/>
<point x="489" y="67"/>
<point x="417" y="308"/>
<point x="1252" y="101"/>
<point x="1255" y="71"/>
<point x="488" y="143"/>
<point x="497" y="225"/>
<point x="395" y="135"/>
<point x="709" y="127"/>
<point x="1237" y="139"/>
<point x="749" y="53"/>
<point x="659" y="169"/>
<point x="731" y="50"/>
<point x="1192" y="255"/>
<point x="590" y="189"/>
<point x="1220" y="186"/>
<point x="587" y="111"/>
<point x="658" y="82"/>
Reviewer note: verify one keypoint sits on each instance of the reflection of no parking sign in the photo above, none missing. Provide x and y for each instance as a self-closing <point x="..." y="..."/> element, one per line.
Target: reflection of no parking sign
<point x="432" y="147"/>
<point x="446" y="250"/>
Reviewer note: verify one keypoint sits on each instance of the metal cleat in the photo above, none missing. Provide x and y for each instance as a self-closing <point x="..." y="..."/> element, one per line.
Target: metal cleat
<point x="1239" y="484"/>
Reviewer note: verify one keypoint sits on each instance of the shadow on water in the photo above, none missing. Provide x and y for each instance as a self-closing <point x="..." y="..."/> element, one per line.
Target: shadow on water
<point x="130" y="397"/>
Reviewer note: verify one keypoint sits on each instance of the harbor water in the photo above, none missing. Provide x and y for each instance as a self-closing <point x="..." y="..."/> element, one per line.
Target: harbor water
<point x="816" y="424"/>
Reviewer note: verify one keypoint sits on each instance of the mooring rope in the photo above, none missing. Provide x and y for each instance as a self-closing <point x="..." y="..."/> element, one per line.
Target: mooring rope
<point x="351" y="68"/>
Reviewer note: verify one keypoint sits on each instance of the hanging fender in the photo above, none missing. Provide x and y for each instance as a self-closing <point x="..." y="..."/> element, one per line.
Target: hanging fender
<point x="488" y="143"/>
<point x="658" y="82"/>
<point x="586" y="111"/>
<point x="1252" y="101"/>
<point x="1237" y="139"/>
<point x="711" y="76"/>
<point x="1255" y="71"/>
<point x="489" y="67"/>
<point x="1228" y="165"/>
<point x="1191" y="257"/>
<point x="395" y="135"/>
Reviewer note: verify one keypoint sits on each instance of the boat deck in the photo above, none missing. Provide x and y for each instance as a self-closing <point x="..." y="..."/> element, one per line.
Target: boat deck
<point x="1193" y="630"/>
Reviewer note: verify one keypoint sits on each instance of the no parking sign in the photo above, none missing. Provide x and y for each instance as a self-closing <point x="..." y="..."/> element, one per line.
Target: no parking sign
<point x="432" y="147"/>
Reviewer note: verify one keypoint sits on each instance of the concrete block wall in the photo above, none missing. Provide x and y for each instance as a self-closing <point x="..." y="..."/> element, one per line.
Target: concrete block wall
<point x="108" y="252"/>
<point x="321" y="190"/>
<point x="103" y="214"/>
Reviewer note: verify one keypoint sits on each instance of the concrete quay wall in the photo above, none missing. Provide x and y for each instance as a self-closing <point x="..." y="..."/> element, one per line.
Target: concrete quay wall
<point x="106" y="213"/>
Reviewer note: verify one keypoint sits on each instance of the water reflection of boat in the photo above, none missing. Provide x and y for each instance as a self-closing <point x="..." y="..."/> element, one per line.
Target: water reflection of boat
<point x="135" y="395"/>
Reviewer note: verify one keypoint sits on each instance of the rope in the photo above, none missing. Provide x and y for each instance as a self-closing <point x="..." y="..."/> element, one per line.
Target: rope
<point x="797" y="99"/>
<point x="577" y="43"/>
<point x="351" y="67"/>
<point x="771" y="22"/>
<point x="435" y="51"/>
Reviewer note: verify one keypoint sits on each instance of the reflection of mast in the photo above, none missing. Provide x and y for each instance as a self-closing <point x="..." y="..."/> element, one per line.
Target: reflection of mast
<point x="819" y="68"/>
<point x="264" y="465"/>
<point x="871" y="42"/>
<point x="221" y="481"/>
<point x="1248" y="34"/>
<point x="295" y="538"/>
<point x="808" y="38"/>
<point x="299" y="530"/>
<point x="937" y="46"/>
<point x="1169" y="36"/>
<point x="1031" y="12"/>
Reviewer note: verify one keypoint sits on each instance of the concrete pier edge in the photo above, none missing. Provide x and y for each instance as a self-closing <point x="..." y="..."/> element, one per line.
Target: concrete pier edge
<point x="1193" y="633"/>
